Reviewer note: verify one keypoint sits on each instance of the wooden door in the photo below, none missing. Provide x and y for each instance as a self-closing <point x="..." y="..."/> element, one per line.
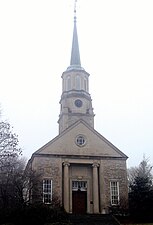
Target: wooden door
<point x="79" y="202"/>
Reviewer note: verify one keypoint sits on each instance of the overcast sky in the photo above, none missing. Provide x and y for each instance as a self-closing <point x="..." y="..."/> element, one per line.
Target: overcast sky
<point x="116" y="48"/>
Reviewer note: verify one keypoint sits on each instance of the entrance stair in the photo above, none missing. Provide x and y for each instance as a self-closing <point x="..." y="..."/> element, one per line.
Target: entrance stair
<point x="96" y="219"/>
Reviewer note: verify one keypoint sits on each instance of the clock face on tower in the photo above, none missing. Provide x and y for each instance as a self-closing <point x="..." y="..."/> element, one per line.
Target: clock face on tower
<point x="78" y="103"/>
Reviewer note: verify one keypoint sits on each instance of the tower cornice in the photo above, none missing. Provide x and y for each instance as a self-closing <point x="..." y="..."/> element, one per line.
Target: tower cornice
<point x="75" y="94"/>
<point x="74" y="70"/>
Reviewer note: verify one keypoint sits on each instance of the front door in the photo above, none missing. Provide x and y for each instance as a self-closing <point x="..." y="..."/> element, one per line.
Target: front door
<point x="79" y="197"/>
<point x="79" y="202"/>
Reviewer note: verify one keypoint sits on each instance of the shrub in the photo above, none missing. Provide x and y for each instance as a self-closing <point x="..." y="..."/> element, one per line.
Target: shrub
<point x="36" y="214"/>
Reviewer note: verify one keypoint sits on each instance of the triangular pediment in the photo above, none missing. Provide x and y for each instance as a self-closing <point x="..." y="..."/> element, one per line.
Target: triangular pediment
<point x="95" y="144"/>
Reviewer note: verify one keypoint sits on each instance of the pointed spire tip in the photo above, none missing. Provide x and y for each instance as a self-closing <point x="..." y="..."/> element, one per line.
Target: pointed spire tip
<point x="75" y="62"/>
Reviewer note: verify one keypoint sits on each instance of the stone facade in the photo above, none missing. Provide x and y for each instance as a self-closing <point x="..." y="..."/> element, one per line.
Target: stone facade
<point x="97" y="163"/>
<point x="80" y="167"/>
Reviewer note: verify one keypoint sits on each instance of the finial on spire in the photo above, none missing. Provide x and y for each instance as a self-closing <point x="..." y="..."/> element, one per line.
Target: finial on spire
<point x="75" y="62"/>
<point x="75" y="1"/>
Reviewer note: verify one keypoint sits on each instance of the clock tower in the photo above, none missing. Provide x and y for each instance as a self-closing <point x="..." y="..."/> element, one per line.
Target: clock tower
<point x="76" y="103"/>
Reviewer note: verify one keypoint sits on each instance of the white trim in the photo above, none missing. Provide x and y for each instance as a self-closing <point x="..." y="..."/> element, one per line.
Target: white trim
<point x="79" y="184"/>
<point x="48" y="191"/>
<point x="114" y="194"/>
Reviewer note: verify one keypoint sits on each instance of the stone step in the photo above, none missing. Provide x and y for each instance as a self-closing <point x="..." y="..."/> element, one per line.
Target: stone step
<point x="93" y="219"/>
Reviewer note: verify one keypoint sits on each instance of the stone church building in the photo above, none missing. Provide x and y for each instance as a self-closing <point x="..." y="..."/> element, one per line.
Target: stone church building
<point x="80" y="167"/>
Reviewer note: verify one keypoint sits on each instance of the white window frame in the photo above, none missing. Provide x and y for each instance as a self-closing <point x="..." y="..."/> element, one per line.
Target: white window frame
<point x="114" y="192"/>
<point x="76" y="185"/>
<point x="47" y="191"/>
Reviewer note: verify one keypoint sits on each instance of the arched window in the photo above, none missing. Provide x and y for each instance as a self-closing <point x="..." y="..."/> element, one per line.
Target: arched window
<point x="78" y="83"/>
<point x="85" y="84"/>
<point x="68" y="83"/>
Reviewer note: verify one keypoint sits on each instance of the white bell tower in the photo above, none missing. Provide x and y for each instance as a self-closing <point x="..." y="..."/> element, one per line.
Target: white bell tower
<point x="75" y="100"/>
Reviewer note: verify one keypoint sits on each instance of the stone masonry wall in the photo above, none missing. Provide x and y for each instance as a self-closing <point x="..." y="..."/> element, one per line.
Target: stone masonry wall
<point x="115" y="170"/>
<point x="51" y="168"/>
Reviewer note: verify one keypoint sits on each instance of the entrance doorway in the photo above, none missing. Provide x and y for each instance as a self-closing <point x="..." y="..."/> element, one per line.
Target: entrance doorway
<point x="79" y="197"/>
<point x="79" y="202"/>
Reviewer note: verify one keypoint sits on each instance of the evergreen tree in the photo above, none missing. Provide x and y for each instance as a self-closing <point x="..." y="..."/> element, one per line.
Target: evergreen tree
<point x="141" y="191"/>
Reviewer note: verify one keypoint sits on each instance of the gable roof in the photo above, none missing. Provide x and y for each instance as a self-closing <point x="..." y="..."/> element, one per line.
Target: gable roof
<point x="96" y="145"/>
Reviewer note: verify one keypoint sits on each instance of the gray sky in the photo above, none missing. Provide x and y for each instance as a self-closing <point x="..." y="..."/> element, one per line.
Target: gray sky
<point x="116" y="48"/>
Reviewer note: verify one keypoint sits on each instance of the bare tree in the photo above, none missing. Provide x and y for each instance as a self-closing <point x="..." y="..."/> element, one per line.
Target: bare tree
<point x="8" y="142"/>
<point x="32" y="186"/>
<point x="10" y="164"/>
<point x="11" y="175"/>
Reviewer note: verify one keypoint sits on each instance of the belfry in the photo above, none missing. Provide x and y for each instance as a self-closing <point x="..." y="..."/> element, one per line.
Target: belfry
<point x="79" y="167"/>
<point x="75" y="101"/>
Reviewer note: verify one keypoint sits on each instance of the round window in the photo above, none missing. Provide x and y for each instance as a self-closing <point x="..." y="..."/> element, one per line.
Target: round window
<point x="78" y="103"/>
<point x="80" y="140"/>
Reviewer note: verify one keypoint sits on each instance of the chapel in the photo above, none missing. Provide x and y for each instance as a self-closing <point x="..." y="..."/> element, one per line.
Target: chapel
<point x="80" y="167"/>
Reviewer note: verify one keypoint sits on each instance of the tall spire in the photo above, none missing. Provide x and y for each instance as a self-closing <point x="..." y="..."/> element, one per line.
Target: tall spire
<point x="75" y="62"/>
<point x="76" y="102"/>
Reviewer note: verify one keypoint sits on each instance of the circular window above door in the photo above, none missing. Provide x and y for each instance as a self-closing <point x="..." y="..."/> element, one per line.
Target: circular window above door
<point x="80" y="140"/>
